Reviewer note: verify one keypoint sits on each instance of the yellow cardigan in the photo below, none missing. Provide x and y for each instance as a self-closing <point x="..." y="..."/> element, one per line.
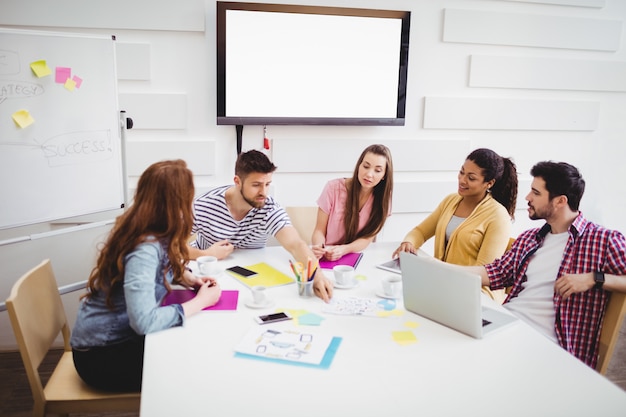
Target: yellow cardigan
<point x="478" y="240"/>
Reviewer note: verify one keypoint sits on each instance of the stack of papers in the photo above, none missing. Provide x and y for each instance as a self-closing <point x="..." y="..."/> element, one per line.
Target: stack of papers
<point x="289" y="346"/>
<point x="358" y="306"/>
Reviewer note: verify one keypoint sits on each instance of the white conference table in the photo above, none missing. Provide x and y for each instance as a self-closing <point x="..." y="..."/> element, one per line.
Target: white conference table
<point x="192" y="371"/>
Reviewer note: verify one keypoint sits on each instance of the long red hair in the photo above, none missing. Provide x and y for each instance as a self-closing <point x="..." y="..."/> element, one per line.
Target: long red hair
<point x="162" y="208"/>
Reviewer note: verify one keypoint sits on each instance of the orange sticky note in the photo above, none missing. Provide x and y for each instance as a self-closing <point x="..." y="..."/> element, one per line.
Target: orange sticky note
<point x="40" y="68"/>
<point x="23" y="118"/>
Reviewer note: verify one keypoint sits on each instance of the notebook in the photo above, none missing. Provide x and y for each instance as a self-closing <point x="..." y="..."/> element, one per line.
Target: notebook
<point x="266" y="275"/>
<point x="449" y="296"/>
<point x="351" y="259"/>
<point x="227" y="301"/>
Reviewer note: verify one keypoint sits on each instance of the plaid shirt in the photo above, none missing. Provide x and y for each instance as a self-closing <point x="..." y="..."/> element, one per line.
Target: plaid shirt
<point x="589" y="248"/>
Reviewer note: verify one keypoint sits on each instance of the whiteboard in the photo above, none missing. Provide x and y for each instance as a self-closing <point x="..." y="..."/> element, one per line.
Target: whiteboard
<point x="60" y="134"/>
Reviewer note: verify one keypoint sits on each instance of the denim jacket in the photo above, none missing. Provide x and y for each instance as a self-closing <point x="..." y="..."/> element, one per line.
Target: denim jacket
<point x="137" y="306"/>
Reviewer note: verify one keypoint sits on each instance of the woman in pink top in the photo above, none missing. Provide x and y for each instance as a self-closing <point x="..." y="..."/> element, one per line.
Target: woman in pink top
<point x="353" y="210"/>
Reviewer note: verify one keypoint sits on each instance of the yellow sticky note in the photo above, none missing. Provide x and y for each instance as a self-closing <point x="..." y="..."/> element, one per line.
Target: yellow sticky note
<point x="403" y="337"/>
<point x="294" y="313"/>
<point x="389" y="313"/>
<point x="40" y="68"/>
<point x="70" y="84"/>
<point x="23" y="118"/>
<point x="411" y="324"/>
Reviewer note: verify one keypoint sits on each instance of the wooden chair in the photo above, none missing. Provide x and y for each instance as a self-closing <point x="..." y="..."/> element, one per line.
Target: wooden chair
<point x="37" y="316"/>
<point x="303" y="218"/>
<point x="611" y="325"/>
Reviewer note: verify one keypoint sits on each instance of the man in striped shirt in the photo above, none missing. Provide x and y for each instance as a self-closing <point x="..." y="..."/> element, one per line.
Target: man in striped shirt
<point x="244" y="215"/>
<point x="562" y="274"/>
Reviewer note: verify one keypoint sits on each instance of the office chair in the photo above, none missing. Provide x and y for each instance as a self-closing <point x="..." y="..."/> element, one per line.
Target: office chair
<point x="303" y="218"/>
<point x="611" y="325"/>
<point x="37" y="317"/>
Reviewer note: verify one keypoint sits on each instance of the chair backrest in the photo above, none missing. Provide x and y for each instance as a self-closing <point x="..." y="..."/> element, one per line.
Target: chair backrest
<point x="303" y="218"/>
<point x="611" y="325"/>
<point x="37" y="317"/>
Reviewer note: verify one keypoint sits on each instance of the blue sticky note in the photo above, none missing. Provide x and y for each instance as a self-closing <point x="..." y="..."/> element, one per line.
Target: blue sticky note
<point x="310" y="319"/>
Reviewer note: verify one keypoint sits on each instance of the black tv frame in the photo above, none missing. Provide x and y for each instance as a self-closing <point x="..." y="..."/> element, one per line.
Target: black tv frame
<point x="222" y="119"/>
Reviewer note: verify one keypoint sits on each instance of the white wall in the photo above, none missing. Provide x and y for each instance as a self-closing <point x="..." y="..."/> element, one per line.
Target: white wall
<point x="532" y="79"/>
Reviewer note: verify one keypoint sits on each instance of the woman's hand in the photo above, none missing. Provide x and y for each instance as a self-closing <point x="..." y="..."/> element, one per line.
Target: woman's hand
<point x="404" y="247"/>
<point x="332" y="253"/>
<point x="209" y="292"/>
<point x="318" y="251"/>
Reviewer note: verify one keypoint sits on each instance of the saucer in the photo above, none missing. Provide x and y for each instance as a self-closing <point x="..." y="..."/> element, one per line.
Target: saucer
<point x="251" y="304"/>
<point x="219" y="272"/>
<point x="381" y="294"/>
<point x="346" y="286"/>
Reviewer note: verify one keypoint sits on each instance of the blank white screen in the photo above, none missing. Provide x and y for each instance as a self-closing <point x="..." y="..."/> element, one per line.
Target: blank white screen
<point x="304" y="65"/>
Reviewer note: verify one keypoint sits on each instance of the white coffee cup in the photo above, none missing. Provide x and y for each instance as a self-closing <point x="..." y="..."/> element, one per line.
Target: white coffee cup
<point x="344" y="274"/>
<point x="392" y="286"/>
<point x="207" y="265"/>
<point x="259" y="294"/>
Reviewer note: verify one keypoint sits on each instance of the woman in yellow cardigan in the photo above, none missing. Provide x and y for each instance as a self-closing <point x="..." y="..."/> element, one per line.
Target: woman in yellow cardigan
<point x="472" y="226"/>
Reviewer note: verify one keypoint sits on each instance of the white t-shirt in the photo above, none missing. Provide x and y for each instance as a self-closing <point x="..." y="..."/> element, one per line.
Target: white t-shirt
<point x="534" y="303"/>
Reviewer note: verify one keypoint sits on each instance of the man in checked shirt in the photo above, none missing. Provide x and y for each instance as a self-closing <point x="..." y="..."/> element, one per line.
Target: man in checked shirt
<point x="562" y="274"/>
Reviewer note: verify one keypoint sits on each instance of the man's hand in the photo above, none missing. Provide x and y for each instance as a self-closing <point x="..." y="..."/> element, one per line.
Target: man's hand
<point x="221" y="249"/>
<point x="322" y="287"/>
<point x="569" y="284"/>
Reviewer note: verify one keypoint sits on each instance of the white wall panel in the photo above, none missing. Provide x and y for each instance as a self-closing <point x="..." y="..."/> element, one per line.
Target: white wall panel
<point x="519" y="29"/>
<point x="421" y="197"/>
<point x="581" y="3"/>
<point x="340" y="155"/>
<point x="200" y="156"/>
<point x="155" y="111"/>
<point x="547" y="73"/>
<point x="187" y="15"/>
<point x="510" y="114"/>
<point x="132" y="60"/>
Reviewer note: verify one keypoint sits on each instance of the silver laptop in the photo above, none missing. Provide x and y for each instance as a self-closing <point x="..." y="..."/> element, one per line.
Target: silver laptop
<point x="449" y="296"/>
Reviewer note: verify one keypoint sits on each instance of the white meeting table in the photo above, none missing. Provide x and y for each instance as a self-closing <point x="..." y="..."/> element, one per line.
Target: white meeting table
<point x="192" y="371"/>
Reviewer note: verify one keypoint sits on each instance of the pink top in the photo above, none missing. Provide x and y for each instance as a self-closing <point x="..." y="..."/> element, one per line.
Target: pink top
<point x="332" y="201"/>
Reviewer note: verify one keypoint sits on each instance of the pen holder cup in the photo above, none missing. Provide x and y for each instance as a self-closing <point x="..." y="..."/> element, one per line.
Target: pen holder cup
<point x="305" y="289"/>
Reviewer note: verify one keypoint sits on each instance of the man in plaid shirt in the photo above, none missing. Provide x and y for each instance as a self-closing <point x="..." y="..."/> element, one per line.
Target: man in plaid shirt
<point x="562" y="274"/>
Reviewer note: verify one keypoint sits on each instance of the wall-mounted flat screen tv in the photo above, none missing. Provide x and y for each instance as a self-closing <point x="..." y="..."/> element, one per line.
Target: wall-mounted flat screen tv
<point x="280" y="64"/>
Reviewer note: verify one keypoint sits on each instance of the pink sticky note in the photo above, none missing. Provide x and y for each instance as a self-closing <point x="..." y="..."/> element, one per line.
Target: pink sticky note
<point x="77" y="80"/>
<point x="62" y="74"/>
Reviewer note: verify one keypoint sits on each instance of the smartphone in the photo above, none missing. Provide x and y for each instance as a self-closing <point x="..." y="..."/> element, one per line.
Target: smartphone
<point x="239" y="270"/>
<point x="272" y="318"/>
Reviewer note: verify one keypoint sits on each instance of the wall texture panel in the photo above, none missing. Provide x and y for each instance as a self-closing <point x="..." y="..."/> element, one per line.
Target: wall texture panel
<point x="510" y="114"/>
<point x="547" y="73"/>
<point x="519" y="29"/>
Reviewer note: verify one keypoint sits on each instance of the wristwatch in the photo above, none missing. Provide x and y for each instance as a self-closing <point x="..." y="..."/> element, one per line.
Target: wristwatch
<point x="598" y="277"/>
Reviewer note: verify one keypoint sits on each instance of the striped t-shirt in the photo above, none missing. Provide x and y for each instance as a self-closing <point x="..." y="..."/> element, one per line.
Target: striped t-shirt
<point x="214" y="222"/>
